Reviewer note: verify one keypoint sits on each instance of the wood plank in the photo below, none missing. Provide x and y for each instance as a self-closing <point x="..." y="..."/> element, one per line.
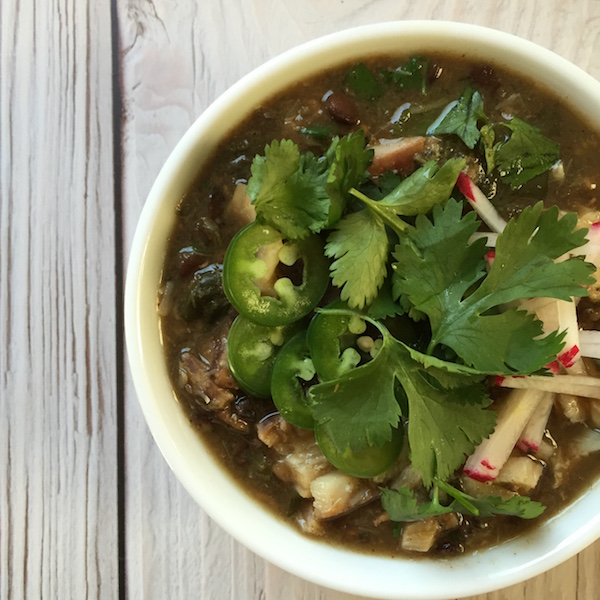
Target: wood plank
<point x="58" y="460"/>
<point x="175" y="62"/>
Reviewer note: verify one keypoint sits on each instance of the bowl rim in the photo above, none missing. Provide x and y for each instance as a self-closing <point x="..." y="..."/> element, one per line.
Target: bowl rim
<point x="373" y="576"/>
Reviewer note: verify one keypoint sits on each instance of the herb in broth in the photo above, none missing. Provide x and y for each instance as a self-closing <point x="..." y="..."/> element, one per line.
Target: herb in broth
<point x="383" y="376"/>
<point x="461" y="117"/>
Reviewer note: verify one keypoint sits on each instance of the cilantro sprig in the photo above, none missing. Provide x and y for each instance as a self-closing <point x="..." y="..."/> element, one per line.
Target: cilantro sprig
<point x="402" y="505"/>
<point x="443" y="275"/>
<point x="360" y="244"/>
<point x="522" y="152"/>
<point x="298" y="193"/>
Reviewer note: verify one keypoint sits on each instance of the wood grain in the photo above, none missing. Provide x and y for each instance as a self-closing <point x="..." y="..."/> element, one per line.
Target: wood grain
<point x="58" y="460"/>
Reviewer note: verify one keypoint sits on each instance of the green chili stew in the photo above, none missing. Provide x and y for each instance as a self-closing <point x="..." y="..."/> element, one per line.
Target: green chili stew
<point x="380" y="305"/>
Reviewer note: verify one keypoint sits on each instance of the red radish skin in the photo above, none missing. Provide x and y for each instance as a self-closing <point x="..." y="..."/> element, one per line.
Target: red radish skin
<point x="567" y="321"/>
<point x="481" y="475"/>
<point x="527" y="446"/>
<point x="562" y="316"/>
<point x="553" y="367"/>
<point x="466" y="187"/>
<point x="532" y="435"/>
<point x="480" y="203"/>
<point x="569" y="358"/>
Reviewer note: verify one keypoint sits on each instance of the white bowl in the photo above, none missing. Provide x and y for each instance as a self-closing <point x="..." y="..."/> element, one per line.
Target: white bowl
<point x="543" y="548"/>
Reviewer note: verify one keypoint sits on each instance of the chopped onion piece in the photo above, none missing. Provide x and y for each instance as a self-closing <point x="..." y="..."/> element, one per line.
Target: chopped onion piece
<point x="589" y="343"/>
<point x="521" y="473"/>
<point x="240" y="208"/>
<point x="587" y="442"/>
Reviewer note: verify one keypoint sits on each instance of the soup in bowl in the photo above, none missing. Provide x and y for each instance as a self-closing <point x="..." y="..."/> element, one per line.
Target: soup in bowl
<point x="361" y="310"/>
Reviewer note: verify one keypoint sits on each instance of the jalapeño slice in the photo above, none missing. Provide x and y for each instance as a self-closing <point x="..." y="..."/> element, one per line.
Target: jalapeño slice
<point x="272" y="281"/>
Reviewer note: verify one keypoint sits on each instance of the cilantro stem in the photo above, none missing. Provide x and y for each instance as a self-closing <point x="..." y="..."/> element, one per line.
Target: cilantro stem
<point x="436" y="495"/>
<point x="431" y="347"/>
<point x="459" y="496"/>
<point x="391" y="219"/>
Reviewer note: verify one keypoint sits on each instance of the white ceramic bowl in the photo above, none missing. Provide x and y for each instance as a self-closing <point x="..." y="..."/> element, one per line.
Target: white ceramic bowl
<point x="558" y="539"/>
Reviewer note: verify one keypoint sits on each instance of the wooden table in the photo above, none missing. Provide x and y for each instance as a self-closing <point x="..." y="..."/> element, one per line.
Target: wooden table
<point x="93" y="97"/>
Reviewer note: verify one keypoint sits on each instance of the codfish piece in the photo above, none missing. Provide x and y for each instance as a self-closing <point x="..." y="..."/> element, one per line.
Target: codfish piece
<point x="336" y="494"/>
<point x="301" y="459"/>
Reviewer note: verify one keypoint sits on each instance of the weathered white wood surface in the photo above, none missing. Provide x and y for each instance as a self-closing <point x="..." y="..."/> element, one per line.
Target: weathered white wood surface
<point x="60" y="391"/>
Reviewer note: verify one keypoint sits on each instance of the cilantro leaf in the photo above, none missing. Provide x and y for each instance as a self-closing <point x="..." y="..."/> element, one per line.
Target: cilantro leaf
<point x="418" y="193"/>
<point x="402" y="506"/>
<point x="287" y="190"/>
<point x="527" y="153"/>
<point x="422" y="190"/>
<point x="384" y="305"/>
<point x="349" y="159"/>
<point x="436" y="265"/>
<point x="319" y="132"/>
<point x="360" y="407"/>
<point x="461" y="117"/>
<point x="436" y="268"/>
<point x="299" y="193"/>
<point x="363" y="83"/>
<point x="446" y="407"/>
<point x="447" y="419"/>
<point x="524" y="264"/>
<point x="386" y="183"/>
<point x="270" y="171"/>
<point x="360" y="247"/>
<point x="413" y="74"/>
<point x="517" y="506"/>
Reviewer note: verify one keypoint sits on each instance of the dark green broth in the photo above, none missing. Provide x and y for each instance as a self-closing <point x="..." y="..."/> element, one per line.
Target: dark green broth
<point x="202" y="224"/>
